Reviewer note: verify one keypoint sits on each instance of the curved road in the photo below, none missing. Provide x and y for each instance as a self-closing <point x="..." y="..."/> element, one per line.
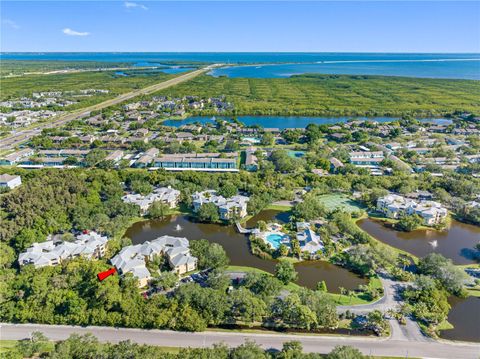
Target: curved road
<point x="311" y="343"/>
<point x="13" y="140"/>
<point x="391" y="299"/>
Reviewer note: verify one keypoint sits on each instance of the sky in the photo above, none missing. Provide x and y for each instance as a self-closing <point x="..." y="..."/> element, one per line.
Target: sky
<point x="160" y="26"/>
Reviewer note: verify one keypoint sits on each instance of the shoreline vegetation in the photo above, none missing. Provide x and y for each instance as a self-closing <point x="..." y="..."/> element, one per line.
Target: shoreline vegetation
<point x="298" y="95"/>
<point x="335" y="95"/>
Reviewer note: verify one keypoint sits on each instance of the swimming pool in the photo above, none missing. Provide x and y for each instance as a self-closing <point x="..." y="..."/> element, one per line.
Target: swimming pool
<point x="275" y="239"/>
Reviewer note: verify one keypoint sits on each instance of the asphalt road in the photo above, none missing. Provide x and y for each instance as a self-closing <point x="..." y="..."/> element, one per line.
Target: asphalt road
<point x="311" y="343"/>
<point x="20" y="136"/>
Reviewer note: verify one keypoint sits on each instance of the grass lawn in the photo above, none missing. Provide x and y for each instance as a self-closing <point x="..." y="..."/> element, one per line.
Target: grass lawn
<point x="334" y="201"/>
<point x="357" y="298"/>
<point x="7" y="345"/>
<point x="445" y="325"/>
<point x="279" y="207"/>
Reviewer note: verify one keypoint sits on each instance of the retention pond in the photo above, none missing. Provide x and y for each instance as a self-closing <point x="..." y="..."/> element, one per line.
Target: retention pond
<point x="237" y="248"/>
<point x="456" y="242"/>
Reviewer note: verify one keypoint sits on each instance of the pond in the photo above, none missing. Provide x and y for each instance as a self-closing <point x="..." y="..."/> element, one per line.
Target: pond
<point x="456" y="242"/>
<point x="237" y="248"/>
<point x="465" y="317"/>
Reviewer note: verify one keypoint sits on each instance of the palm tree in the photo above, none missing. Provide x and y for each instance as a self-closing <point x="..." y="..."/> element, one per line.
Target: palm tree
<point x="403" y="261"/>
<point x="342" y="290"/>
<point x="351" y="293"/>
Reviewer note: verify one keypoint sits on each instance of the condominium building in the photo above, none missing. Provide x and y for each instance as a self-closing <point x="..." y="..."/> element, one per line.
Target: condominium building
<point x="10" y="181"/>
<point x="366" y="158"/>
<point x="132" y="259"/>
<point x="205" y="162"/>
<point x="15" y="157"/>
<point x="395" y="206"/>
<point x="228" y="208"/>
<point x="89" y="245"/>
<point x="166" y="195"/>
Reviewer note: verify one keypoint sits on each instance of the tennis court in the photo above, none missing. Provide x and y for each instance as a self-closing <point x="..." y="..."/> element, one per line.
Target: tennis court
<point x="333" y="201"/>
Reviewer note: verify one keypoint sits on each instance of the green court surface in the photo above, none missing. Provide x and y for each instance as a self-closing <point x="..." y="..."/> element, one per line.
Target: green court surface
<point x="334" y="201"/>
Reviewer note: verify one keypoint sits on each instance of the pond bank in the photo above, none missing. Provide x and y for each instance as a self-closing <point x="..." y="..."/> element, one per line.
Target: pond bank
<point x="237" y="248"/>
<point x="456" y="242"/>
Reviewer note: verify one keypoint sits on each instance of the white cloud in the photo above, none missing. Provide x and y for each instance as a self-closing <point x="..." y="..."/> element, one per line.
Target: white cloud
<point x="130" y="5"/>
<point x="71" y="32"/>
<point x="10" y="23"/>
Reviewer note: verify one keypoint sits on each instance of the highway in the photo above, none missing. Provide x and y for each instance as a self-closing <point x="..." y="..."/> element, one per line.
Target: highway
<point x="311" y="343"/>
<point x="13" y="140"/>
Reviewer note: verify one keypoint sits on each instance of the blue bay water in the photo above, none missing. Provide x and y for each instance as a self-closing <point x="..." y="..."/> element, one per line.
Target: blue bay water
<point x="446" y="69"/>
<point x="459" y="66"/>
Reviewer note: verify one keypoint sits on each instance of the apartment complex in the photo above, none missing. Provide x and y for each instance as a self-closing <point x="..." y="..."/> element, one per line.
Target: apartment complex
<point x="166" y="195"/>
<point x="10" y="181"/>
<point x="89" y="245"/>
<point x="395" y="206"/>
<point x="132" y="259"/>
<point x="228" y="208"/>
<point x="205" y="162"/>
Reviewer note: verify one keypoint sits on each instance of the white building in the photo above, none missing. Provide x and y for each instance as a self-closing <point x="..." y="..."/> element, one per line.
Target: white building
<point x="89" y="245"/>
<point x="132" y="259"/>
<point x="228" y="208"/>
<point x="166" y="195"/>
<point x="10" y="181"/>
<point x="395" y="206"/>
<point x="307" y="238"/>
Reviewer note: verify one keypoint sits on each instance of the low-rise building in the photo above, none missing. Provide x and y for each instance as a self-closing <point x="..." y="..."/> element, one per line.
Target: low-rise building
<point x="132" y="259"/>
<point x="15" y="157"/>
<point x="251" y="161"/>
<point x="197" y="162"/>
<point x="114" y="156"/>
<point x="10" y="181"/>
<point x="395" y="206"/>
<point x="147" y="158"/>
<point x="166" y="195"/>
<point x="89" y="245"/>
<point x="366" y="158"/>
<point x="228" y="208"/>
<point x="335" y="164"/>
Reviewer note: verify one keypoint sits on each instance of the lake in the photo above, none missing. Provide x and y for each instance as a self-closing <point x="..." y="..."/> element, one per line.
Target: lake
<point x="237" y="248"/>
<point x="283" y="122"/>
<point x="455" y="243"/>
<point x="465" y="317"/>
<point x="462" y="66"/>
<point x="280" y="122"/>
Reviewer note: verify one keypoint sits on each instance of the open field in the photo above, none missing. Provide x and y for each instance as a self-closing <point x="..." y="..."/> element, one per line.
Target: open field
<point x="338" y="95"/>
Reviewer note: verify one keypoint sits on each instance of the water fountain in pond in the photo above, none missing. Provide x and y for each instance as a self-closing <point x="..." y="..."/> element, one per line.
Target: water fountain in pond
<point x="178" y="228"/>
<point x="434" y="244"/>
